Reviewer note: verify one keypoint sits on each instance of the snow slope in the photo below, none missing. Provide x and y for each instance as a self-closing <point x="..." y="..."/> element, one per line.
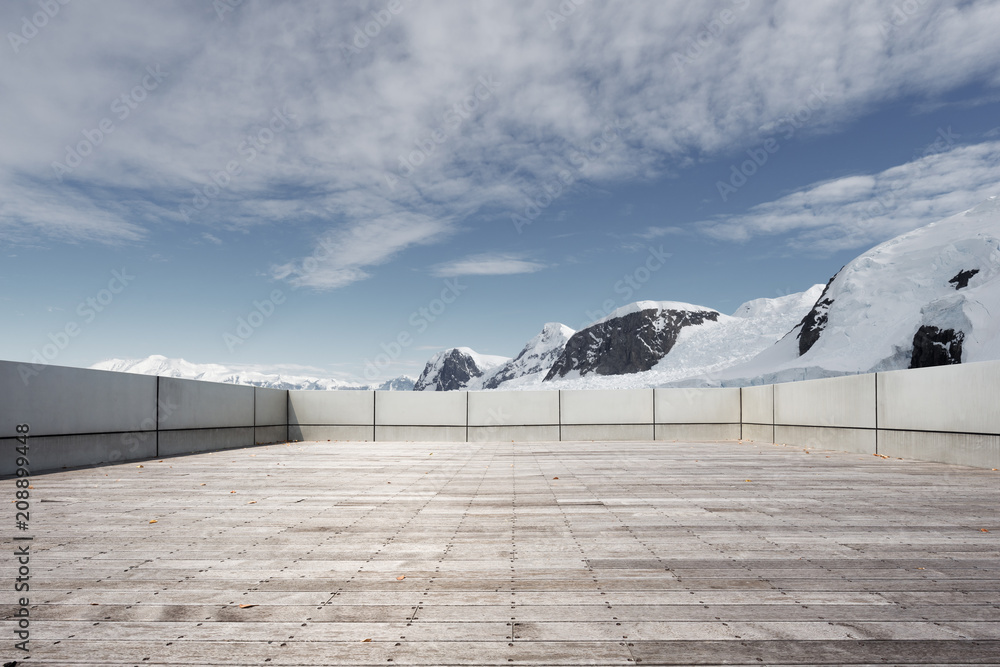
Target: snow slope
<point x="927" y="297"/>
<point x="536" y="357"/>
<point x="179" y="368"/>
<point x="700" y="350"/>
<point x="457" y="368"/>
<point x="943" y="277"/>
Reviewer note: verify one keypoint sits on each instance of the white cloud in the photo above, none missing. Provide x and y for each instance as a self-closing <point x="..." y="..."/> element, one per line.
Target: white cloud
<point x="858" y="211"/>
<point x="358" y="114"/>
<point x="659" y="232"/>
<point x="342" y="255"/>
<point x="487" y="264"/>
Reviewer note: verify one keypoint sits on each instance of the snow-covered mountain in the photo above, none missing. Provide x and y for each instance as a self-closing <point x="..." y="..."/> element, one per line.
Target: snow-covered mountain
<point x="928" y="297"/>
<point x="536" y="358"/>
<point x="179" y="368"/>
<point x="457" y="368"/>
<point x="632" y="339"/>
<point x="699" y="350"/>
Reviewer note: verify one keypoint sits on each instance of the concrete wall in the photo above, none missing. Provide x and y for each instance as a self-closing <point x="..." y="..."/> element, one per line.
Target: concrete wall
<point x="697" y="414"/>
<point x="525" y="416"/>
<point x="85" y="417"/>
<point x="421" y="416"/>
<point x="82" y="417"/>
<point x="204" y="416"/>
<point x="757" y="413"/>
<point x="331" y="415"/>
<point x="270" y="415"/>
<point x="949" y="414"/>
<point x="76" y="416"/>
<point x="625" y="414"/>
<point x="834" y="413"/>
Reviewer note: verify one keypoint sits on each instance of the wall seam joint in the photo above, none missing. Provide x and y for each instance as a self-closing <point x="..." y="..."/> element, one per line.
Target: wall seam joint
<point x="157" y="408"/>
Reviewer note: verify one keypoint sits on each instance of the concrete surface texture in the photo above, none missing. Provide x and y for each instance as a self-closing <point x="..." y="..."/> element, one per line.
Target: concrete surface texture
<point x="331" y="408"/>
<point x="844" y="402"/>
<point x="57" y="400"/>
<point x="697" y="406"/>
<point x="84" y="417"/>
<point x="607" y="406"/>
<point x="190" y="404"/>
<point x="514" y="408"/>
<point x="957" y="399"/>
<point x="572" y="553"/>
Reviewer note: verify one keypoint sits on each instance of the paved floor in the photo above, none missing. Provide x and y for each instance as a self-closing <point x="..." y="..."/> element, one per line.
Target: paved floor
<point x="541" y="554"/>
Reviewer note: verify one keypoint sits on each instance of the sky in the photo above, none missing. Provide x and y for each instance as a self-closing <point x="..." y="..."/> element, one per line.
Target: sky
<point x="344" y="189"/>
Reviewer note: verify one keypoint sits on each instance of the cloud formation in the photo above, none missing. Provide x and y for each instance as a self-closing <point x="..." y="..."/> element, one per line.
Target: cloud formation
<point x="408" y="122"/>
<point x="864" y="209"/>
<point x="487" y="264"/>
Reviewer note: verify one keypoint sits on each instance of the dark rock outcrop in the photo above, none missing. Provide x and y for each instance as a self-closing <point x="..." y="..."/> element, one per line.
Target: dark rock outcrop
<point x="537" y="356"/>
<point x="632" y="343"/>
<point x="936" y="347"/>
<point x="450" y="370"/>
<point x="814" y="322"/>
<point x="961" y="281"/>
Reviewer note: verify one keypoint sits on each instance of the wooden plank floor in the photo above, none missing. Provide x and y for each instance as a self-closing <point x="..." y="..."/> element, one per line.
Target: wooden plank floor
<point x="496" y="554"/>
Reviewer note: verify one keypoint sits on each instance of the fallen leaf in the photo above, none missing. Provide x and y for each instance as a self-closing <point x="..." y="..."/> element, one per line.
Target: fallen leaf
<point x="366" y="640"/>
<point x="247" y="606"/>
<point x="202" y="484"/>
<point x="984" y="530"/>
<point x="252" y="502"/>
<point x="401" y="577"/>
<point x="232" y="492"/>
<point x="140" y="466"/>
<point x="93" y="604"/>
<point x="152" y="520"/>
<point x="555" y="478"/>
<point x="746" y="480"/>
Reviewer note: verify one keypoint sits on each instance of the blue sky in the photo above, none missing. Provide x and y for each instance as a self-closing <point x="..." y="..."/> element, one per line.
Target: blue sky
<point x="464" y="172"/>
